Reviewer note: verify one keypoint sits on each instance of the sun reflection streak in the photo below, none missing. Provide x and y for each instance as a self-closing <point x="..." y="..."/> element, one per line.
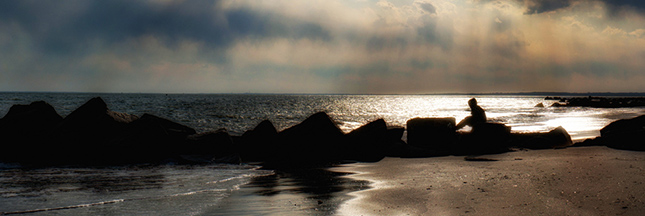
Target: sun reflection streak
<point x="518" y="112"/>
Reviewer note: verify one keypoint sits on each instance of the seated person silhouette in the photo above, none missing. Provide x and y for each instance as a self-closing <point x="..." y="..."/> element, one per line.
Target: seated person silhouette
<point x="477" y="115"/>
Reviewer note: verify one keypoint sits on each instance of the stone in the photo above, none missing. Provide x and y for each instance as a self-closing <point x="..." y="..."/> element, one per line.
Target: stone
<point x="149" y="139"/>
<point x="556" y="138"/>
<point x="394" y="134"/>
<point x="316" y="140"/>
<point x="25" y="129"/>
<point x="259" y="143"/>
<point x="368" y="142"/>
<point x="485" y="138"/>
<point x="92" y="124"/>
<point x="627" y="134"/>
<point x="208" y="147"/>
<point x="432" y="133"/>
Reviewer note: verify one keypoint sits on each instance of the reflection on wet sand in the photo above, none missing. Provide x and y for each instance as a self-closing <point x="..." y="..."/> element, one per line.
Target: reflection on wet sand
<point x="316" y="191"/>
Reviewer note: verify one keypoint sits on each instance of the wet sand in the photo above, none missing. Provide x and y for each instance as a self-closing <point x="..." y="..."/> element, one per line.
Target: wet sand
<point x="313" y="191"/>
<point x="573" y="181"/>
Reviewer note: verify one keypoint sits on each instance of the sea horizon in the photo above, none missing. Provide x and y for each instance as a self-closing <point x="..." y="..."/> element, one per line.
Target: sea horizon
<point x="520" y="93"/>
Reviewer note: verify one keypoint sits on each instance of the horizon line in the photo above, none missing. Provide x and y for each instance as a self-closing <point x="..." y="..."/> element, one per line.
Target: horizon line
<point x="534" y="93"/>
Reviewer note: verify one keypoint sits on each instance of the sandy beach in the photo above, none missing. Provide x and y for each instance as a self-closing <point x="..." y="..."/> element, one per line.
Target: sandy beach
<point x="572" y="181"/>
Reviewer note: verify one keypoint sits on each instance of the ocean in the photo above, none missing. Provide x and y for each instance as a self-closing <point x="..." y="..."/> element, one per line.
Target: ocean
<point x="202" y="189"/>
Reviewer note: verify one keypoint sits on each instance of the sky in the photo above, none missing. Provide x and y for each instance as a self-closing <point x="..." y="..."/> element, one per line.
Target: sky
<point x="322" y="46"/>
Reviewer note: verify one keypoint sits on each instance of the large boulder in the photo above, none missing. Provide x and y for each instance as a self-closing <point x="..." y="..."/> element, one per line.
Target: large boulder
<point x="213" y="146"/>
<point x="432" y="133"/>
<point x="83" y="136"/>
<point x="24" y="130"/>
<point x="94" y="120"/>
<point x="628" y="134"/>
<point x="258" y="144"/>
<point x="33" y="118"/>
<point x="485" y="138"/>
<point x="316" y="140"/>
<point x="556" y="138"/>
<point x="149" y="139"/>
<point x="369" y="142"/>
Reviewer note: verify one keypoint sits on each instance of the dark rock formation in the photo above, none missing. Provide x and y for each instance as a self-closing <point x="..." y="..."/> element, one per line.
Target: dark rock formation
<point x="628" y="134"/>
<point x="600" y="102"/>
<point x="24" y="130"/>
<point x="316" y="140"/>
<point x="258" y="144"/>
<point x="84" y="135"/>
<point x="95" y="135"/>
<point x="485" y="138"/>
<point x="149" y="139"/>
<point x="432" y="133"/>
<point x="369" y="142"/>
<point x="214" y="146"/>
<point x="556" y="138"/>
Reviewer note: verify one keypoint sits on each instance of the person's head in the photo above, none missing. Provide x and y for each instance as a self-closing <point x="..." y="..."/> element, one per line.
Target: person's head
<point x="472" y="102"/>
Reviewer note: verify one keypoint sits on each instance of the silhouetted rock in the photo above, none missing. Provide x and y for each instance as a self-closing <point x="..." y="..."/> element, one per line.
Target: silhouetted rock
<point x="432" y="133"/>
<point x="258" y="144"/>
<point x="598" y="141"/>
<point x="395" y="134"/>
<point x="368" y="143"/>
<point x="628" y="134"/>
<point x="557" y="104"/>
<point x="209" y="147"/>
<point x="556" y="138"/>
<point x="24" y="131"/>
<point x="316" y="140"/>
<point x="559" y="137"/>
<point x="485" y="138"/>
<point x="149" y="139"/>
<point x="83" y="136"/>
<point x="540" y="105"/>
<point x="602" y="102"/>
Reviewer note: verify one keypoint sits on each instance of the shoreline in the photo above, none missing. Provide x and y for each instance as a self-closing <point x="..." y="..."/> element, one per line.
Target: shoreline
<point x="572" y="181"/>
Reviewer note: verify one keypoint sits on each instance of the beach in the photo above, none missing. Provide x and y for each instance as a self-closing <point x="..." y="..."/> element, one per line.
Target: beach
<point x="572" y="181"/>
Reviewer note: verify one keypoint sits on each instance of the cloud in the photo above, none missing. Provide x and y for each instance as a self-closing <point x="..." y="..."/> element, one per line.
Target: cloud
<point x="67" y="26"/>
<point x="427" y="7"/>
<point x="541" y="6"/>
<point x="320" y="46"/>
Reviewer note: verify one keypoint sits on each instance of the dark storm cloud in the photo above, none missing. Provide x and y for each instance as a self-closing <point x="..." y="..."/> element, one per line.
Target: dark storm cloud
<point x="614" y="6"/>
<point x="541" y="6"/>
<point x="64" y="26"/>
<point x="428" y="7"/>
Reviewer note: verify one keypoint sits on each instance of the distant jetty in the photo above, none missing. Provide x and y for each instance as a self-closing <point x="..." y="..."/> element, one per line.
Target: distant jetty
<point x="598" y="102"/>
